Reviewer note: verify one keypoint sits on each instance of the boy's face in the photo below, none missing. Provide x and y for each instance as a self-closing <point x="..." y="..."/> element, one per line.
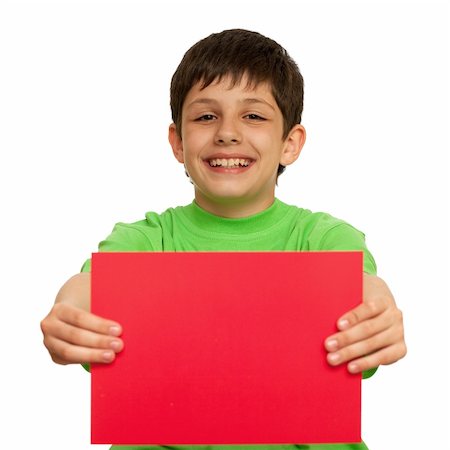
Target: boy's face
<point x="231" y="145"/>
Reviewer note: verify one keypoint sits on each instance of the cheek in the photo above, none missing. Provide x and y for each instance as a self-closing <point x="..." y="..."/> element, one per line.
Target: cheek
<point x="195" y="144"/>
<point x="267" y="144"/>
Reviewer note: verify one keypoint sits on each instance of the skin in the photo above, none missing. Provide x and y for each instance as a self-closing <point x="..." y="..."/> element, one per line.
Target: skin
<point x="220" y="119"/>
<point x="72" y="334"/>
<point x="224" y="119"/>
<point x="371" y="334"/>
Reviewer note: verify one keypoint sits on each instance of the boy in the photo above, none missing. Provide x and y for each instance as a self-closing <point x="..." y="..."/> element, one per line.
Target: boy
<point x="236" y="100"/>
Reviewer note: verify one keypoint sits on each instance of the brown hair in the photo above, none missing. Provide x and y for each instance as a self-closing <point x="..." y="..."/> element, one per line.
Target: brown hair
<point x="236" y="53"/>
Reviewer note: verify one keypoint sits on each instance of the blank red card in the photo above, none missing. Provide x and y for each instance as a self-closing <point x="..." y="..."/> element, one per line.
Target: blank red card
<point x="225" y="348"/>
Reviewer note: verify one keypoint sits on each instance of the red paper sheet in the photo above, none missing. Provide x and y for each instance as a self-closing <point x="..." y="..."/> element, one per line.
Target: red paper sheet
<point x="225" y="348"/>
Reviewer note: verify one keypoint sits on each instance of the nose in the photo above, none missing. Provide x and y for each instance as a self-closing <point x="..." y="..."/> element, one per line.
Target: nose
<point x="227" y="132"/>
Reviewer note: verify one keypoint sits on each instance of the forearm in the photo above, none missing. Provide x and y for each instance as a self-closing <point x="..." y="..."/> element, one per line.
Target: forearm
<point x="374" y="283"/>
<point x="76" y="291"/>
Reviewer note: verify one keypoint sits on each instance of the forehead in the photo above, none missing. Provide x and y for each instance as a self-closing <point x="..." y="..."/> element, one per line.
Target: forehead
<point x="224" y="90"/>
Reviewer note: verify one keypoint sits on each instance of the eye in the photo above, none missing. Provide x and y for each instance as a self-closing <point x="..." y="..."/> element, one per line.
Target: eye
<point x="254" y="117"/>
<point x="205" y="118"/>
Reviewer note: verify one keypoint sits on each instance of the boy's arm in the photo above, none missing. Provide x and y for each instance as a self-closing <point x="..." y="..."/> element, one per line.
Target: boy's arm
<point x="72" y="334"/>
<point x="372" y="333"/>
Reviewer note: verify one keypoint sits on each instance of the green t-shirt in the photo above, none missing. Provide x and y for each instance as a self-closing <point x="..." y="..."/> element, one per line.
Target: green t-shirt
<point x="280" y="227"/>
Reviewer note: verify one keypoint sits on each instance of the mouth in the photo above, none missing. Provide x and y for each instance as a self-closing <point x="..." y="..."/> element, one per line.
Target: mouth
<point x="229" y="164"/>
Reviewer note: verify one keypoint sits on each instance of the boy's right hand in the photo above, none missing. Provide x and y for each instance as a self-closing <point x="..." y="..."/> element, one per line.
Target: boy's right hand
<point x="73" y="335"/>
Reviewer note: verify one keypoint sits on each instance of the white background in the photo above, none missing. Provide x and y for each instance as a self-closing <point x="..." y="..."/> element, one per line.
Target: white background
<point x="84" y="110"/>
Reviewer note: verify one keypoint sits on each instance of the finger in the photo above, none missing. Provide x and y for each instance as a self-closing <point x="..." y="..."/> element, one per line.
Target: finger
<point x="85" y="338"/>
<point x="360" y="331"/>
<point x="362" y="312"/>
<point x="365" y="347"/>
<point x="84" y="319"/>
<point x="385" y="356"/>
<point x="65" y="353"/>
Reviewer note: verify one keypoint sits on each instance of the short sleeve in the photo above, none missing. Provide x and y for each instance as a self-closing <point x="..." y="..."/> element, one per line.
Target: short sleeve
<point x="345" y="237"/>
<point x="136" y="237"/>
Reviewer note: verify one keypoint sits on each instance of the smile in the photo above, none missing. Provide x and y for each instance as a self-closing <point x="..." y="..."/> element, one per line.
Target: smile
<point x="229" y="162"/>
<point x="229" y="165"/>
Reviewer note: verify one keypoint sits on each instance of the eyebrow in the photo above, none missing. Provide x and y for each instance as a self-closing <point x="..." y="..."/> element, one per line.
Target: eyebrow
<point x="211" y="101"/>
<point x="258" y="100"/>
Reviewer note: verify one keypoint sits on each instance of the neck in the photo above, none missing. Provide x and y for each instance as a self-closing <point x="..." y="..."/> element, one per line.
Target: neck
<point x="234" y="208"/>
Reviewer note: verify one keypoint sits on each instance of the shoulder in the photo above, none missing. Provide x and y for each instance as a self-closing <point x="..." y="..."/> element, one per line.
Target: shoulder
<point x="321" y="231"/>
<point x="328" y="229"/>
<point x="142" y="235"/>
<point x="317" y="224"/>
<point x="328" y="232"/>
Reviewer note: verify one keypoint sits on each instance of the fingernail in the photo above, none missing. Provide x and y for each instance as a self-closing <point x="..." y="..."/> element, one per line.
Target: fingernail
<point x="343" y="324"/>
<point x="115" y="331"/>
<point x="353" y="368"/>
<point x="332" y="345"/>
<point x="334" y="358"/>
<point x="115" y="345"/>
<point x="108" y="356"/>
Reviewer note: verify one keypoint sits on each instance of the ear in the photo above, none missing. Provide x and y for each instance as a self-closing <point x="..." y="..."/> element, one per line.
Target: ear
<point x="176" y="143"/>
<point x="293" y="145"/>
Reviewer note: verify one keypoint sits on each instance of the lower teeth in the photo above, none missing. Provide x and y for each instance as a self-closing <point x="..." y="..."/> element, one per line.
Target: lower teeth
<point x="229" y="167"/>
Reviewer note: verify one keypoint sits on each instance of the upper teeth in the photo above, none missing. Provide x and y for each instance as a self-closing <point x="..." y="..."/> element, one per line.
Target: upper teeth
<point x="231" y="162"/>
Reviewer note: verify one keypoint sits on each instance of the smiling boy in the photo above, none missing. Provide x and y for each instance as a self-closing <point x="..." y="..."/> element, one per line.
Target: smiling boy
<point x="232" y="142"/>
<point x="236" y="99"/>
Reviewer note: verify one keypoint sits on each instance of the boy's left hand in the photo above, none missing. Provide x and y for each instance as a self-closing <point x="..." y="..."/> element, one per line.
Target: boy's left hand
<point x="372" y="333"/>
